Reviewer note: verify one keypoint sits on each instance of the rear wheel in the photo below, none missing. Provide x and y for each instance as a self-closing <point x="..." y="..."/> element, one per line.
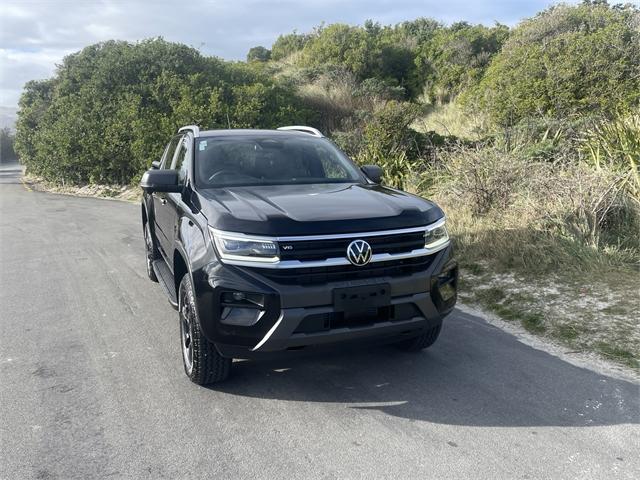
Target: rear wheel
<point x="202" y="362"/>
<point x="151" y="252"/>
<point x="421" y="342"/>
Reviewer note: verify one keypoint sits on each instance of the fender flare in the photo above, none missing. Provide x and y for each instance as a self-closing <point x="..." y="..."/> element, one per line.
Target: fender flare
<point x="148" y="213"/>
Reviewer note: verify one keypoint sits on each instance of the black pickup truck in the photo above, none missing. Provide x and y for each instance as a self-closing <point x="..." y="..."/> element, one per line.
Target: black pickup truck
<point x="273" y="240"/>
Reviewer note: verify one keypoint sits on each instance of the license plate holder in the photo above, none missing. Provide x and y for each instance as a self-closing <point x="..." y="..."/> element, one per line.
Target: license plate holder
<point x="361" y="298"/>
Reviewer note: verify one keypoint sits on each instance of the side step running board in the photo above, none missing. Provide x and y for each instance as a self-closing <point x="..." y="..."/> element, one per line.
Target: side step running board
<point x="165" y="278"/>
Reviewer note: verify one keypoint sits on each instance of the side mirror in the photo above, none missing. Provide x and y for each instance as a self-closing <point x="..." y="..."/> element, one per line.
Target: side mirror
<point x="373" y="173"/>
<point x="155" y="165"/>
<point x="160" y="181"/>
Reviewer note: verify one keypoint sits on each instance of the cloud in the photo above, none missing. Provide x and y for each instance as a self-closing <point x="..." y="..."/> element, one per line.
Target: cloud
<point x="20" y="66"/>
<point x="37" y="34"/>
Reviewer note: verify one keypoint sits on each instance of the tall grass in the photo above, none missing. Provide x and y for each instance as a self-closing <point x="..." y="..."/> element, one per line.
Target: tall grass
<point x="332" y="96"/>
<point x="615" y="145"/>
<point x="523" y="199"/>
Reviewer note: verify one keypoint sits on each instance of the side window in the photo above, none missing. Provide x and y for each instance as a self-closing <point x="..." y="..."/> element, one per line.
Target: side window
<point x="169" y="151"/>
<point x="181" y="161"/>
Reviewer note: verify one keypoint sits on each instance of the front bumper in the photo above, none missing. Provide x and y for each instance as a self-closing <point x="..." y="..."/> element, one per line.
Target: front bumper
<point x="298" y="316"/>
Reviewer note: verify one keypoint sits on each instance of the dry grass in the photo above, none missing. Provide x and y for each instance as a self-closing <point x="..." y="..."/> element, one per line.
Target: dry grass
<point x="332" y="96"/>
<point x="540" y="214"/>
<point x="335" y="95"/>
<point x="451" y="120"/>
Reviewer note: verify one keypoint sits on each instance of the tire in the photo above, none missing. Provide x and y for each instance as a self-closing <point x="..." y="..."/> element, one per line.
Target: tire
<point x="151" y="252"/>
<point x="202" y="362"/>
<point x="421" y="342"/>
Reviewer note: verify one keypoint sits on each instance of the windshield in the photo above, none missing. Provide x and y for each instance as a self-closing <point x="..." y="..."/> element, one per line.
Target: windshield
<point x="236" y="160"/>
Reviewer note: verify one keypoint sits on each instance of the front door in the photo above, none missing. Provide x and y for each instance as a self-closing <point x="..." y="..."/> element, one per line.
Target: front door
<point x="168" y="219"/>
<point x="161" y="199"/>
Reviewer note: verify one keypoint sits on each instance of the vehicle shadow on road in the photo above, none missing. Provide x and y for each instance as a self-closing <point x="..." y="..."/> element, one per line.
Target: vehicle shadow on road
<point x="475" y="375"/>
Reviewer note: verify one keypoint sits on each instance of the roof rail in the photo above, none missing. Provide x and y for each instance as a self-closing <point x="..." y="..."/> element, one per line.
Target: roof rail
<point x="301" y="128"/>
<point x="193" y="128"/>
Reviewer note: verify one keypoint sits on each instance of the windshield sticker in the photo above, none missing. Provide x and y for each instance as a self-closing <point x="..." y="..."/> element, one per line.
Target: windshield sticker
<point x="202" y="145"/>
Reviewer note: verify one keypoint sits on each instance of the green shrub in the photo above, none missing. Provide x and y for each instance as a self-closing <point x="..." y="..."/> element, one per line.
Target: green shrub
<point x="339" y="44"/>
<point x="455" y="58"/>
<point x="258" y="54"/>
<point x="388" y="141"/>
<point x="565" y="60"/>
<point x="287" y="45"/>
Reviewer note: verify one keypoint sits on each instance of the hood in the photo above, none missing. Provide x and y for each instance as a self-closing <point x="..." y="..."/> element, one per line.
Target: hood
<point x="281" y="210"/>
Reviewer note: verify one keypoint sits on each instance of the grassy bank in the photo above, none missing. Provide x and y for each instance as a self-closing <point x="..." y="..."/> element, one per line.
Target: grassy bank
<point x="546" y="240"/>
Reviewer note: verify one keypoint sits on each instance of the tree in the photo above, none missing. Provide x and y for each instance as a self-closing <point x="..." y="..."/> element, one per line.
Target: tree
<point x="418" y="32"/>
<point x="34" y="104"/>
<point x="286" y="45"/>
<point x="258" y="54"/>
<point x="340" y="44"/>
<point x="455" y="58"/>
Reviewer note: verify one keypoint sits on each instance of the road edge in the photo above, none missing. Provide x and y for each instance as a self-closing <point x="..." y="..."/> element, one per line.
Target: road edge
<point x="587" y="360"/>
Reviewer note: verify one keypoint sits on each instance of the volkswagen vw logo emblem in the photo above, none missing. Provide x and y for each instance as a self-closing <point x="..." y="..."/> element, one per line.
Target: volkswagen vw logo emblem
<point x="359" y="252"/>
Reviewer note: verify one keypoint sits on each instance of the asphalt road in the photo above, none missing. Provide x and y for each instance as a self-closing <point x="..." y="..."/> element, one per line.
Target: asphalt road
<point x="91" y="382"/>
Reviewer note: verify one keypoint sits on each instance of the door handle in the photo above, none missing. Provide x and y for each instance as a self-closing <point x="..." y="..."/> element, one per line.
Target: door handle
<point x="163" y="201"/>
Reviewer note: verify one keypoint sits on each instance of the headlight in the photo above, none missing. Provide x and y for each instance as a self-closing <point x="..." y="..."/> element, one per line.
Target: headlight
<point x="236" y="246"/>
<point x="436" y="236"/>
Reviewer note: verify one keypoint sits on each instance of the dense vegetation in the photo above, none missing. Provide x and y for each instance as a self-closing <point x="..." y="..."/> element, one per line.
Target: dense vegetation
<point x="566" y="61"/>
<point x="7" y="152"/>
<point x="528" y="136"/>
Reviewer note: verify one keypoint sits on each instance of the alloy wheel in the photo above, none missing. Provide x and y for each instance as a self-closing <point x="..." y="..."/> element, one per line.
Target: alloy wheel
<point x="186" y="325"/>
<point x="148" y="242"/>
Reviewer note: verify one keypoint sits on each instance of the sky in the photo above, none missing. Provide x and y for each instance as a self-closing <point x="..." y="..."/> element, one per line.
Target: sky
<point x="36" y="34"/>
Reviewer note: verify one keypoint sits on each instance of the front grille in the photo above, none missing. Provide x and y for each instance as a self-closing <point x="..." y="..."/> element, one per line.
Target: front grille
<point x="309" y="276"/>
<point x="307" y="250"/>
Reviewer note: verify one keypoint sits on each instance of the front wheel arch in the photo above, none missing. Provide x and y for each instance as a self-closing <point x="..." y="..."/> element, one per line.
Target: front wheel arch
<point x="144" y="214"/>
<point x="180" y="269"/>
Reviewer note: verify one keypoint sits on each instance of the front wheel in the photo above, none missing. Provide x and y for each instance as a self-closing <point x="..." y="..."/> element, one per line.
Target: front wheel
<point x="202" y="362"/>
<point x="421" y="342"/>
